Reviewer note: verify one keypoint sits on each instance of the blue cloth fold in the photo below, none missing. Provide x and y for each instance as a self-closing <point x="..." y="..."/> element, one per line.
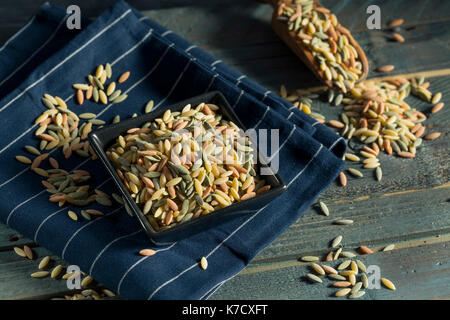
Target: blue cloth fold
<point x="166" y="68"/>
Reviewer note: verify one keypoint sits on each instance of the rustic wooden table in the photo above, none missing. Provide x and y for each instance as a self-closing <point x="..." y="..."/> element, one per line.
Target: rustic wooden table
<point x="410" y="207"/>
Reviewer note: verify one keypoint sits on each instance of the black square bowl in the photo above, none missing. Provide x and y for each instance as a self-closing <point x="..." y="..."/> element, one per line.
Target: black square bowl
<point x="102" y="138"/>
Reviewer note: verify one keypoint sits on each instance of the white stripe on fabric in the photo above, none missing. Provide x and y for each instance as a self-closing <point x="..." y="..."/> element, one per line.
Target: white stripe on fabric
<point x="69" y="97"/>
<point x="217" y="286"/>
<point x="82" y="163"/>
<point x="149" y="33"/>
<point x="290" y="115"/>
<point x="307" y="165"/>
<point x="135" y="264"/>
<point x="265" y="95"/>
<point x="293" y="107"/>
<point x="284" y="142"/>
<point x="239" y="98"/>
<point x="109" y="244"/>
<point x="17" y="33"/>
<point x="211" y="82"/>
<point x="17" y="175"/>
<point x="84" y="226"/>
<point x="175" y="84"/>
<point x="22" y="203"/>
<point x="103" y="183"/>
<point x="332" y="146"/>
<point x="215" y="62"/>
<point x="65" y="60"/>
<point x="43" y="222"/>
<point x="262" y="118"/>
<point x="239" y="79"/>
<point x="143" y="18"/>
<point x="35" y="52"/>
<point x="237" y="229"/>
<point x="18" y="138"/>
<point x="166" y="33"/>
<point x="315" y="123"/>
<point x="139" y="81"/>
<point x="190" y="48"/>
<point x="212" y="291"/>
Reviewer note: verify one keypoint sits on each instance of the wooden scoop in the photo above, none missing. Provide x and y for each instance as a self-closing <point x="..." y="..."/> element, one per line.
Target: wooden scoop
<point x="303" y="52"/>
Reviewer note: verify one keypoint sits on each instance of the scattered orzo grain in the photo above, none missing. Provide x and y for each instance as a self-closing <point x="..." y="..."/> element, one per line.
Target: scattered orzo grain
<point x="147" y="252"/>
<point x="388" y="283"/>
<point x="28" y="252"/>
<point x="344" y="221"/>
<point x="40" y="274"/>
<point x="318" y="269"/>
<point x="341" y="284"/>
<point x="344" y="265"/>
<point x="355" y="172"/>
<point x="313" y="278"/>
<point x="309" y="258"/>
<point x="44" y="262"/>
<point x="20" y="252"/>
<point x="203" y="263"/>
<point x="329" y="270"/>
<point x="336" y="241"/>
<point x="23" y="159"/>
<point x="365" y="250"/>
<point x="432" y="136"/>
<point x="343" y="292"/>
<point x="324" y="208"/>
<point x="396" y="23"/>
<point x="86" y="281"/>
<point x="438" y="107"/>
<point x="398" y="37"/>
<point x="343" y="179"/>
<point x="124" y="77"/>
<point x="56" y="271"/>
<point x="386" y="68"/>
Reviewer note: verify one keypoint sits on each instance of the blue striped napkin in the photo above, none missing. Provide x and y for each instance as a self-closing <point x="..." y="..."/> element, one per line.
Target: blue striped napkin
<point x="46" y="57"/>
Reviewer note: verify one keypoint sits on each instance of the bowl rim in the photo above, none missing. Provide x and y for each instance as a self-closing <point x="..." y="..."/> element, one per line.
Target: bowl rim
<point x="97" y="141"/>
